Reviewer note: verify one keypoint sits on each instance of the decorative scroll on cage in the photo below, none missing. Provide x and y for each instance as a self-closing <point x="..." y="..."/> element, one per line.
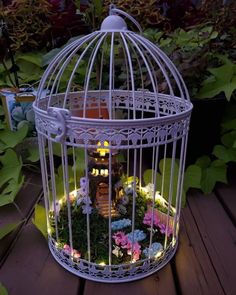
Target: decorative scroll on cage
<point x="112" y="116"/>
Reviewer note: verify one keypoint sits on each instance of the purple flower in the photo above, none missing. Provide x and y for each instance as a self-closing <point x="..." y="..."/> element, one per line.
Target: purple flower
<point x="162" y="228"/>
<point x="87" y="209"/>
<point x="84" y="182"/>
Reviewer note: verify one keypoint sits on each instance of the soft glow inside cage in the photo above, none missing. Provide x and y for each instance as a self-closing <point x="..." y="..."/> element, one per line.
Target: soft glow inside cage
<point x="112" y="153"/>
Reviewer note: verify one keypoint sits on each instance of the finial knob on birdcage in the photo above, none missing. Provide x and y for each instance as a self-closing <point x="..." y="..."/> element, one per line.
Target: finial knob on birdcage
<point x="113" y="22"/>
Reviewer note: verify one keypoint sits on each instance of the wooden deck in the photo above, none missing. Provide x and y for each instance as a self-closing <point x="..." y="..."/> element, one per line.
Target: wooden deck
<point x="205" y="262"/>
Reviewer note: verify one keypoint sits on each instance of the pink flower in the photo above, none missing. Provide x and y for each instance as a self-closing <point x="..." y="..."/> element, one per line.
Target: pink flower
<point x="162" y="228"/>
<point x="148" y="218"/>
<point x="76" y="254"/>
<point x="67" y="249"/>
<point x="127" y="245"/>
<point x="120" y="238"/>
<point x="136" y="251"/>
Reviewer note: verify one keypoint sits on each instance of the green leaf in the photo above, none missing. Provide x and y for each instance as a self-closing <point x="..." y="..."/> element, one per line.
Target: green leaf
<point x="48" y="57"/>
<point x="3" y="290"/>
<point x="203" y="162"/>
<point x="224" y="81"/>
<point x="79" y="164"/>
<point x="40" y="220"/>
<point x="98" y="7"/>
<point x="10" y="191"/>
<point x="33" y="154"/>
<point x="229" y="125"/>
<point x="5" y="230"/>
<point x="224" y="154"/>
<point x="192" y="177"/>
<point x="31" y="57"/>
<point x="1" y="111"/>
<point x="56" y="147"/>
<point x="211" y="175"/>
<point x="9" y="138"/>
<point x="147" y="176"/>
<point x="60" y="180"/>
<point x="11" y="167"/>
<point x="165" y="177"/>
<point x="228" y="139"/>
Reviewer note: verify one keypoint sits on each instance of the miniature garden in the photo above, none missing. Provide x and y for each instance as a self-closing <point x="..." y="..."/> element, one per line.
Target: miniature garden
<point x="200" y="41"/>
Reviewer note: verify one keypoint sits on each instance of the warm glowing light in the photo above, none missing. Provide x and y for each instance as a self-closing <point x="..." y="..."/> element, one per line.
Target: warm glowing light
<point x="95" y="172"/>
<point x="103" y="151"/>
<point x="173" y="241"/>
<point x="105" y="172"/>
<point x="49" y="231"/>
<point x="73" y="195"/>
<point x="102" y="263"/>
<point x="158" y="254"/>
<point x="76" y="255"/>
<point x="60" y="201"/>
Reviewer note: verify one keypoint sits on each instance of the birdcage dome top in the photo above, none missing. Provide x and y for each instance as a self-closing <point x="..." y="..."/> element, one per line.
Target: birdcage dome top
<point x="113" y="74"/>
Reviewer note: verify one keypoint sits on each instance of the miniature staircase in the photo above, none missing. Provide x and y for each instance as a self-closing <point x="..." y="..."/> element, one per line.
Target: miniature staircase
<point x="102" y="198"/>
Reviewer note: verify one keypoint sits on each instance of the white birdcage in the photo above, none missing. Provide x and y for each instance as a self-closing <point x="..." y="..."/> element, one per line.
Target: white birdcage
<point x="112" y="128"/>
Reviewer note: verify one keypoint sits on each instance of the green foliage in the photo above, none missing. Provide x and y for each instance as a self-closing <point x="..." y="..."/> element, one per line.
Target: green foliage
<point x="222" y="79"/>
<point x="99" y="238"/>
<point x="203" y="162"/>
<point x="3" y="290"/>
<point x="30" y="68"/>
<point x="225" y="154"/>
<point x="28" y="23"/>
<point x="215" y="172"/>
<point x="94" y="13"/>
<point x="11" y="178"/>
<point x="192" y="177"/>
<point x="40" y="220"/>
<point x="9" y="138"/>
<point x="5" y="230"/>
<point x="205" y="173"/>
<point x="189" y="51"/>
<point x="164" y="179"/>
<point x="33" y="154"/>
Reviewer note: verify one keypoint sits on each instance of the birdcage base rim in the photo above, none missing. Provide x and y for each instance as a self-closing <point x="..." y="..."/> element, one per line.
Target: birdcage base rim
<point x="104" y="279"/>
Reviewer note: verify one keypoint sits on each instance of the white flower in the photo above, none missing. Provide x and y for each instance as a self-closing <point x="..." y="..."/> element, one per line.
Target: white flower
<point x="117" y="252"/>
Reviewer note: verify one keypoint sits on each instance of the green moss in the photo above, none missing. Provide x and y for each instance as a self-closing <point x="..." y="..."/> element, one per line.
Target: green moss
<point x="99" y="229"/>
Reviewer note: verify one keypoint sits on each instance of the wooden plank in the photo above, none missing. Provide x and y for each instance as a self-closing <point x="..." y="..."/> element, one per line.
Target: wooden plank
<point x="30" y="268"/>
<point x="25" y="200"/>
<point x="219" y="236"/>
<point x="54" y="279"/>
<point x="195" y="273"/>
<point x="32" y="177"/>
<point x="160" y="283"/>
<point x="227" y="196"/>
<point x="27" y="197"/>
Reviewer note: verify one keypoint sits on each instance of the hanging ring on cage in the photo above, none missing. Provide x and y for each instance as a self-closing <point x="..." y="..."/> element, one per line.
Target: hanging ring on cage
<point x="114" y="10"/>
<point x="61" y="115"/>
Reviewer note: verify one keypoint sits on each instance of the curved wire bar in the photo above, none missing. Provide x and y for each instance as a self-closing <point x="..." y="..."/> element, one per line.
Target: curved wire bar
<point x="55" y="63"/>
<point x="155" y="90"/>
